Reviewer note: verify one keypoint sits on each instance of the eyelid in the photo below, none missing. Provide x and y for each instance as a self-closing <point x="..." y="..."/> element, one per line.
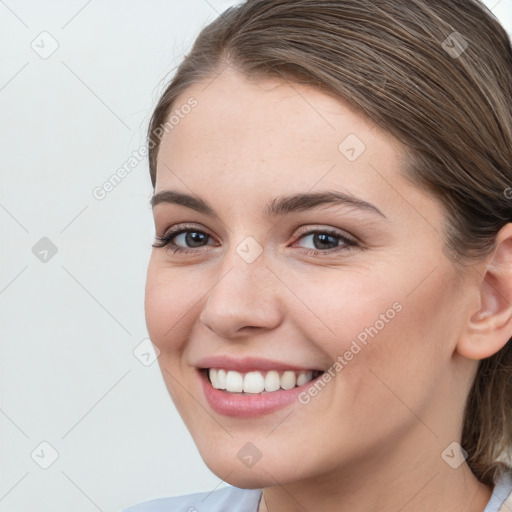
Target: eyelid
<point x="347" y="241"/>
<point x="311" y="229"/>
<point x="177" y="230"/>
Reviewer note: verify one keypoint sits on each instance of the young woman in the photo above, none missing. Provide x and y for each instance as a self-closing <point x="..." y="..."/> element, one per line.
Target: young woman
<point x="330" y="288"/>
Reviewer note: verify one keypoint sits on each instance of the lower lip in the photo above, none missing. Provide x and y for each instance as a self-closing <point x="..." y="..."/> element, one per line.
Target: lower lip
<point x="249" y="405"/>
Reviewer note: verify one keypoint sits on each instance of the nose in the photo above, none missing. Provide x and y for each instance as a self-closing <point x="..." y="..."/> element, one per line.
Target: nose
<point x="245" y="297"/>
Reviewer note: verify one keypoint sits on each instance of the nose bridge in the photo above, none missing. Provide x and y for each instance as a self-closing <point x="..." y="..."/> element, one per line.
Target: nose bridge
<point x="244" y="294"/>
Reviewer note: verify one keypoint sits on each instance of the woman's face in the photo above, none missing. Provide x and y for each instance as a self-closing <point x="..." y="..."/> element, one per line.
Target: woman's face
<point x="276" y="278"/>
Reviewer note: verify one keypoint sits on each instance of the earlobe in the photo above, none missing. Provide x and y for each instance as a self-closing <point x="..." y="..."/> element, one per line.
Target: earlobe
<point x="490" y="326"/>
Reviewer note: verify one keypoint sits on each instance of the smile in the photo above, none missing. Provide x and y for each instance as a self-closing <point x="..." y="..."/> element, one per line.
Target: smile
<point x="258" y="382"/>
<point x="254" y="393"/>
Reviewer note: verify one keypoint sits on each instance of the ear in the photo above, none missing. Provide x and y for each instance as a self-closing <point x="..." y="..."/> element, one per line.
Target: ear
<point x="490" y="326"/>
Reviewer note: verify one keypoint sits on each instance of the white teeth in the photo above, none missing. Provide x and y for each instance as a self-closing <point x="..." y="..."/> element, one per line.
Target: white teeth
<point x="304" y="377"/>
<point x="288" y="380"/>
<point x="214" y="379"/>
<point x="257" y="382"/>
<point x="254" y="382"/>
<point x="218" y="378"/>
<point x="272" y="381"/>
<point x="234" y="382"/>
<point x="221" y="379"/>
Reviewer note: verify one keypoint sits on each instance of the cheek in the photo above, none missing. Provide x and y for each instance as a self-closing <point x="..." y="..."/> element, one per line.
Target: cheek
<point x="348" y="309"/>
<point x="384" y="322"/>
<point x="168" y="303"/>
<point x="408" y="333"/>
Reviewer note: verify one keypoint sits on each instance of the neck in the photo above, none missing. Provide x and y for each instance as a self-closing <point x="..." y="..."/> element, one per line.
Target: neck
<point x="420" y="488"/>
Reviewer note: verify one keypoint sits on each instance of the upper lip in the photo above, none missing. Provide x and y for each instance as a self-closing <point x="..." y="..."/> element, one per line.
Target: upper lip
<point x="248" y="364"/>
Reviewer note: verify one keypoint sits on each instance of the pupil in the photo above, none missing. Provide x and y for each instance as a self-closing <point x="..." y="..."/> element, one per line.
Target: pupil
<point x="323" y="238"/>
<point x="192" y="238"/>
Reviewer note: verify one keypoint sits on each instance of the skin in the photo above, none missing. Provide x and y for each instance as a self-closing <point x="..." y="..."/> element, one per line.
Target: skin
<point x="372" y="439"/>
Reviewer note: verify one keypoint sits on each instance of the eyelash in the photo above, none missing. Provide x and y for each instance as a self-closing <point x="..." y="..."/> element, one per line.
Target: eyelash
<point x="165" y="240"/>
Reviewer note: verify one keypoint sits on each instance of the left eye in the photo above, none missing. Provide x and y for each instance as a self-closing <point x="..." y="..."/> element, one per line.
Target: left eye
<point x="194" y="239"/>
<point x="328" y="241"/>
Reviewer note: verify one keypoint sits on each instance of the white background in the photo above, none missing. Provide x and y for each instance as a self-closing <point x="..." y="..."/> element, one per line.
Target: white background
<point x="69" y="325"/>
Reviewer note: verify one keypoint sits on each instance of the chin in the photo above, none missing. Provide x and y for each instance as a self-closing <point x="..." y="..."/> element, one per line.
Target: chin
<point x="264" y="473"/>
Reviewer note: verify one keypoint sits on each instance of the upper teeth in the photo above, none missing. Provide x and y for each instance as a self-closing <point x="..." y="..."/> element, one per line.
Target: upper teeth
<point x="257" y="382"/>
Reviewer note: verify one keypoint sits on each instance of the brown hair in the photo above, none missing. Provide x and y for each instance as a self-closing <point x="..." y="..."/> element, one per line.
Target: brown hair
<point x="436" y="74"/>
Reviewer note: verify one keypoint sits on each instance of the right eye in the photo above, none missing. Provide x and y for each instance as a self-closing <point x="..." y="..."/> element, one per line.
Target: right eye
<point x="189" y="235"/>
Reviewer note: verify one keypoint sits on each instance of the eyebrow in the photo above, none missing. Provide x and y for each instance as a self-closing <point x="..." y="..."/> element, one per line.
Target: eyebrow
<point x="279" y="206"/>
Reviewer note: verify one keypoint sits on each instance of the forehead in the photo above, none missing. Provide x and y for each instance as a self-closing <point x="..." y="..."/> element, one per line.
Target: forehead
<point x="259" y="138"/>
<point x="270" y="116"/>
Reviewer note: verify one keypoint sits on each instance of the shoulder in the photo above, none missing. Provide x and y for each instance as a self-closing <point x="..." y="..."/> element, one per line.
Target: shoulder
<point x="232" y="499"/>
<point x="501" y="498"/>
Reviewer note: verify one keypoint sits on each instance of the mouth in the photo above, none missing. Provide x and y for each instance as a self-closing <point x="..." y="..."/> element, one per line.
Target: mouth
<point x="260" y="381"/>
<point x="256" y="392"/>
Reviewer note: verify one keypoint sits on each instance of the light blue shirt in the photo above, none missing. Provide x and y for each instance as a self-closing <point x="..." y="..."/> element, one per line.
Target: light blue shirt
<point x="233" y="499"/>
<point x="227" y="499"/>
<point x="502" y="491"/>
